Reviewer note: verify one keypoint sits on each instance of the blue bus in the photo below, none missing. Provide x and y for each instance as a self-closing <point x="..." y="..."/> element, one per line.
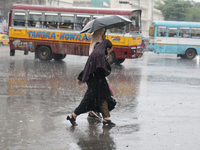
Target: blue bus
<point x="181" y="38"/>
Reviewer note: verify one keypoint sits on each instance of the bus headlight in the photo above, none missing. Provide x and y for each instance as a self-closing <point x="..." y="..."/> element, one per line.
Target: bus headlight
<point x="133" y="50"/>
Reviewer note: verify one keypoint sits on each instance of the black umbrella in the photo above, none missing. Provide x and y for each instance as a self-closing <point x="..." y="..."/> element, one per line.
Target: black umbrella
<point x="107" y="22"/>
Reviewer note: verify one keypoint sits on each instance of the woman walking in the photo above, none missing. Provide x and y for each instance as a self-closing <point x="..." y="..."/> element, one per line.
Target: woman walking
<point x="97" y="37"/>
<point x="94" y="73"/>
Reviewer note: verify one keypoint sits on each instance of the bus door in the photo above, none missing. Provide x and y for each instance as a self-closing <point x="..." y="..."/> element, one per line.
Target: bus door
<point x="161" y="39"/>
<point x="172" y="40"/>
<point x="18" y="31"/>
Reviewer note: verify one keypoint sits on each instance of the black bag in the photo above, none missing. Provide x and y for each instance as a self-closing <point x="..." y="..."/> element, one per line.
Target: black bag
<point x="111" y="103"/>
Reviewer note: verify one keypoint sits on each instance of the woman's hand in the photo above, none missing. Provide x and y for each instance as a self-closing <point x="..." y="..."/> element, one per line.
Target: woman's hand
<point x="109" y="50"/>
<point x="79" y="82"/>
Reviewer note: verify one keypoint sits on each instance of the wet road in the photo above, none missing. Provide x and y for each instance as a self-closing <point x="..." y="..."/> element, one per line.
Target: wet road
<point x="158" y="104"/>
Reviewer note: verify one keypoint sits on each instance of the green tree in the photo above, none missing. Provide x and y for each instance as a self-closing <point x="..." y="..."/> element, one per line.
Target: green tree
<point x="193" y="13"/>
<point x="174" y="10"/>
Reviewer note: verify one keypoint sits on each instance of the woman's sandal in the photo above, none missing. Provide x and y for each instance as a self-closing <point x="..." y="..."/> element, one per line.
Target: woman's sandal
<point x="72" y="120"/>
<point x="108" y="122"/>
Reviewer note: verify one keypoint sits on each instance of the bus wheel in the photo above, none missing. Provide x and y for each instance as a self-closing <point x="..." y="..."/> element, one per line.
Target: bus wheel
<point x="1" y="44"/>
<point x="44" y="53"/>
<point x="111" y="58"/>
<point x="25" y="52"/>
<point x="12" y="52"/>
<point x="119" y="61"/>
<point x="64" y="55"/>
<point x="190" y="54"/>
<point x="58" y="57"/>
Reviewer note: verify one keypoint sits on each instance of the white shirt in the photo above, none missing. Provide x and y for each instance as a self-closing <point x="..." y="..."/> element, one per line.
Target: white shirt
<point x="38" y="25"/>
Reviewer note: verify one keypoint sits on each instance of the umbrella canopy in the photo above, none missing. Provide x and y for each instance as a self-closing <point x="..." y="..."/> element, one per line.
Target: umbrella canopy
<point x="107" y="22"/>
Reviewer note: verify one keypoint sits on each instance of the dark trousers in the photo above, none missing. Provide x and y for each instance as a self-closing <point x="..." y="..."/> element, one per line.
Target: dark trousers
<point x="104" y="109"/>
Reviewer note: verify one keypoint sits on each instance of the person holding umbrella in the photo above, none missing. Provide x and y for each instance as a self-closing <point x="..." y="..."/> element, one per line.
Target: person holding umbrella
<point x="97" y="37"/>
<point x="94" y="73"/>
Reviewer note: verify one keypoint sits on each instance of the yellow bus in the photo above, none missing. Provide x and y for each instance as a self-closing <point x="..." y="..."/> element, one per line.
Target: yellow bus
<point x="54" y="32"/>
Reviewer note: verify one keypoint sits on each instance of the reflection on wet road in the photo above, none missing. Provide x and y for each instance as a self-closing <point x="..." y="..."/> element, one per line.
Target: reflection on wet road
<point x="158" y="104"/>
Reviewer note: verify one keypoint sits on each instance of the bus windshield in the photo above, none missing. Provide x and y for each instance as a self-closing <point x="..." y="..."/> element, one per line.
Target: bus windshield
<point x="135" y="18"/>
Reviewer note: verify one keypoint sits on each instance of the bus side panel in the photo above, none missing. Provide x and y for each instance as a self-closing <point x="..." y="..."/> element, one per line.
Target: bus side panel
<point x="82" y="49"/>
<point x="57" y="48"/>
<point x="159" y="48"/>
<point x="20" y="44"/>
<point x="71" y="48"/>
<point x="125" y="52"/>
<point x="171" y="45"/>
<point x="18" y="39"/>
<point x="198" y="50"/>
<point x="151" y="44"/>
<point x="122" y="52"/>
<point x="63" y="48"/>
<point x="171" y="49"/>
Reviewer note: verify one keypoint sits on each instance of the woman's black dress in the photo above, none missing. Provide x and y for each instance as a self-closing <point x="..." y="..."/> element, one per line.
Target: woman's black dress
<point x="94" y="73"/>
<point x="98" y="91"/>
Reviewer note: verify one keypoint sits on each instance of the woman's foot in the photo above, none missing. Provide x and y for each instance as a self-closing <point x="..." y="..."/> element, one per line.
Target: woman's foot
<point x="72" y="120"/>
<point x="108" y="122"/>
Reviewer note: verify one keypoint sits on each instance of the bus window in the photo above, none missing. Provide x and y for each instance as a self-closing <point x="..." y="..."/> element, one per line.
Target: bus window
<point x="161" y="31"/>
<point x="81" y="21"/>
<point x="19" y="19"/>
<point x="195" y="33"/>
<point x="35" y="19"/>
<point x="117" y="30"/>
<point x="51" y="20"/>
<point x="172" y="32"/>
<point x="67" y="22"/>
<point x="184" y="32"/>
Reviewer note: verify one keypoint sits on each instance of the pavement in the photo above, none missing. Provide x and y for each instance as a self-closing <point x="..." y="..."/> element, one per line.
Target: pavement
<point x="158" y="105"/>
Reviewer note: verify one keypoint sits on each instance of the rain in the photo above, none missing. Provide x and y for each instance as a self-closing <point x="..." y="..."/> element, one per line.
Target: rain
<point x="157" y="93"/>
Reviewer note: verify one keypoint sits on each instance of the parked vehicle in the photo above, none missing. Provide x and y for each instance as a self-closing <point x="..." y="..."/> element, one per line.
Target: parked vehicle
<point x="4" y="39"/>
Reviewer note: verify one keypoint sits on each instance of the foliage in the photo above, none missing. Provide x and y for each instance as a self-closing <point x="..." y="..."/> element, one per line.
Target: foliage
<point x="179" y="10"/>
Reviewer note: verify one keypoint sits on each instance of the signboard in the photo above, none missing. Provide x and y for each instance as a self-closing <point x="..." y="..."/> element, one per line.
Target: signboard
<point x="100" y="3"/>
